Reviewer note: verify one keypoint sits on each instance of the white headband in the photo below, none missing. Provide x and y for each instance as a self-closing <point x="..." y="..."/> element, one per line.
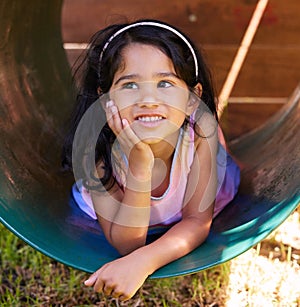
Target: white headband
<point x="155" y="24"/>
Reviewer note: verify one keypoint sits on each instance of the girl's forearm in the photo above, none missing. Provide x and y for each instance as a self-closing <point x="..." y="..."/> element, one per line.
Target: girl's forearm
<point x="181" y="239"/>
<point x="130" y="225"/>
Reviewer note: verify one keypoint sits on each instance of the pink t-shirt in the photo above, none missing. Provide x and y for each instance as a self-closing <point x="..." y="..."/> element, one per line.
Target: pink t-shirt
<point x="167" y="209"/>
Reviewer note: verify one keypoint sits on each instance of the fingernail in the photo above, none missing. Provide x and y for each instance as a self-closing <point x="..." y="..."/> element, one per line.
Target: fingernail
<point x="113" y="109"/>
<point x="109" y="104"/>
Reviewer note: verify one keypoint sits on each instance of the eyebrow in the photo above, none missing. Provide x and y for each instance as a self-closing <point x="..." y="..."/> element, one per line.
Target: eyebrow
<point x="167" y="74"/>
<point x="127" y="77"/>
<point x="136" y="76"/>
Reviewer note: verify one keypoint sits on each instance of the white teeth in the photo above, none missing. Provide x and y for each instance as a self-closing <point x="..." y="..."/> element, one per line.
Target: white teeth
<point x="150" y="118"/>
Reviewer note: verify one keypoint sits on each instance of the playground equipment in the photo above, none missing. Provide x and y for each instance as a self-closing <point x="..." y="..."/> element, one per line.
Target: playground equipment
<point x="35" y="100"/>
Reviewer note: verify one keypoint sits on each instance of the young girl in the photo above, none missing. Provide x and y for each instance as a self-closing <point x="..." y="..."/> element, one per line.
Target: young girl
<point x="156" y="159"/>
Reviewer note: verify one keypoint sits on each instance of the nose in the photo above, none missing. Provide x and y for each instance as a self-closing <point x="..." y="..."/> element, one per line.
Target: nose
<point x="148" y="96"/>
<point x="148" y="102"/>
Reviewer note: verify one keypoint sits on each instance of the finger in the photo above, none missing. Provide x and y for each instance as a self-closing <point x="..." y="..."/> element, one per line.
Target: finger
<point x="99" y="285"/>
<point x="125" y="297"/>
<point x="109" y="114"/>
<point x="116" y="118"/>
<point x="107" y="107"/>
<point x="116" y="294"/>
<point x="113" y="117"/>
<point x="91" y="280"/>
<point x="121" y="294"/>
<point x="107" y="290"/>
<point x="129" y="133"/>
<point x="125" y="123"/>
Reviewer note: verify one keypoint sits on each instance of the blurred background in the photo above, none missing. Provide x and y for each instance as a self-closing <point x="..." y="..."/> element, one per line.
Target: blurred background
<point x="269" y="74"/>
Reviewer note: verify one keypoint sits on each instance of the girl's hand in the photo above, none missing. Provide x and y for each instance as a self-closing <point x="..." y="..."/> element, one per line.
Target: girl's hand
<point x="139" y="154"/>
<point x="120" y="278"/>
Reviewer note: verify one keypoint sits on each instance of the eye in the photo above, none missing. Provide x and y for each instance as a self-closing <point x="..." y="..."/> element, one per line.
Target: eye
<point x="164" y="84"/>
<point x="130" y="85"/>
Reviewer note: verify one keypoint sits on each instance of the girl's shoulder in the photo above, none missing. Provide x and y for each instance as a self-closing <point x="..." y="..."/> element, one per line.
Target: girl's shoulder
<point x="203" y="129"/>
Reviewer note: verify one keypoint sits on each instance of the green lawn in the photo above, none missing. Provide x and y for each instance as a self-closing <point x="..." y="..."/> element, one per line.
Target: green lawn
<point x="29" y="278"/>
<point x="267" y="275"/>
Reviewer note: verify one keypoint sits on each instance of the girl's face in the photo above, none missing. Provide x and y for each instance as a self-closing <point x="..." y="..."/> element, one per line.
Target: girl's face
<point x="149" y="94"/>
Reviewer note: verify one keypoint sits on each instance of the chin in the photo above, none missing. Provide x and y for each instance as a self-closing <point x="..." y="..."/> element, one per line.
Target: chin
<point x="152" y="141"/>
<point x="150" y="138"/>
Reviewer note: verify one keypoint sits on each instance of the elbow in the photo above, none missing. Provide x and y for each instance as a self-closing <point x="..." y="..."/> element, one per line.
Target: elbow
<point x="199" y="233"/>
<point x="205" y="232"/>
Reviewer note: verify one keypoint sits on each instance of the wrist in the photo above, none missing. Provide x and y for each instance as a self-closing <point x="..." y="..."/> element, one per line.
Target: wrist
<point x="142" y="256"/>
<point x="140" y="182"/>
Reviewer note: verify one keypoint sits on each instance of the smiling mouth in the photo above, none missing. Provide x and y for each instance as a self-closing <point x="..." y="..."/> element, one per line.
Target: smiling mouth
<point x="149" y="119"/>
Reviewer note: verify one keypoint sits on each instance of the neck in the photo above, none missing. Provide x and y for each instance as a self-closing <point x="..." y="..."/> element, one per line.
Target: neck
<point x="164" y="149"/>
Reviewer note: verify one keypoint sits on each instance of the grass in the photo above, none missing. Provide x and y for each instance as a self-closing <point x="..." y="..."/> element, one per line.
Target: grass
<point x="28" y="278"/>
<point x="268" y="275"/>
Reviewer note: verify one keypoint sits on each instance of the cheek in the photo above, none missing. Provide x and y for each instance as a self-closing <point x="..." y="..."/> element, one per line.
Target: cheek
<point x="177" y="117"/>
<point x="178" y="100"/>
<point x="123" y="100"/>
<point x="125" y="112"/>
<point x="179" y="108"/>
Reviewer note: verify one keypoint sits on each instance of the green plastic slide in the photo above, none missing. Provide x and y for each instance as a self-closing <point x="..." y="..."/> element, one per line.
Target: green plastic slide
<point x="35" y="100"/>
